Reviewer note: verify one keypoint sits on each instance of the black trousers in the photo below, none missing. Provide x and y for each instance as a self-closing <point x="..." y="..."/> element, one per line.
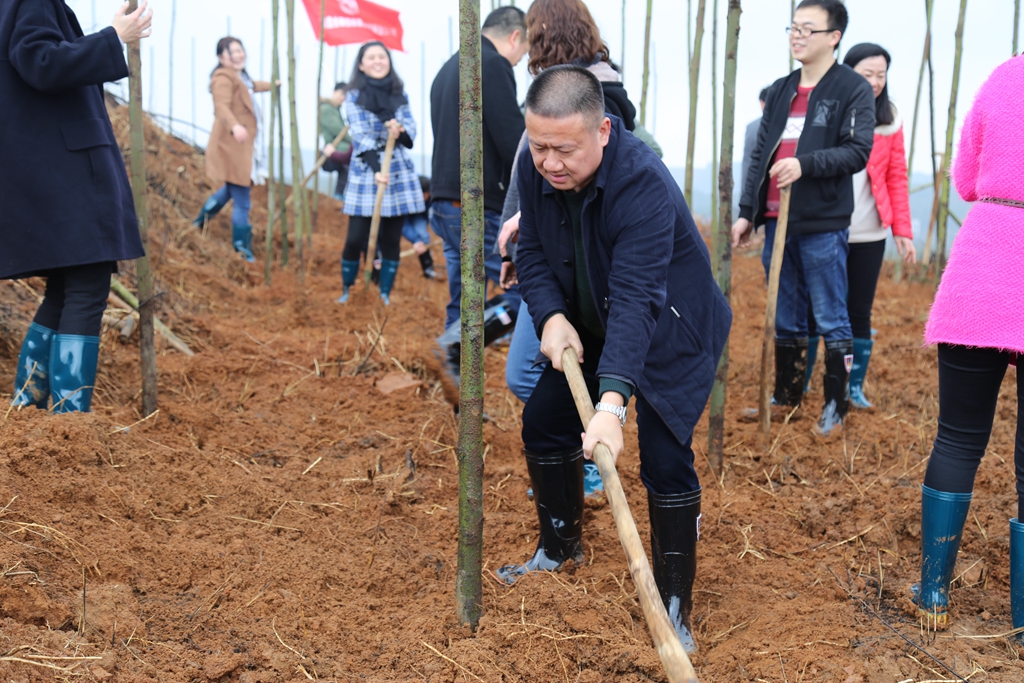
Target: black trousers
<point x="75" y="299"/>
<point x="969" y="380"/>
<point x="389" y="237"/>
<point x="551" y="424"/>
<point x="863" y="266"/>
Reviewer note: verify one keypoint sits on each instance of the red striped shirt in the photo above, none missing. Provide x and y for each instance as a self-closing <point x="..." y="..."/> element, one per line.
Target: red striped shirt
<point x="787" y="147"/>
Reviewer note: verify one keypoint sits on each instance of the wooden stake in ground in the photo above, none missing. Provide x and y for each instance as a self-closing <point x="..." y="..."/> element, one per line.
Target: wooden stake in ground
<point x="764" y="412"/>
<point x="920" y="84"/>
<point x="385" y="168"/>
<point x="298" y="213"/>
<point x="147" y="343"/>
<point x="666" y="641"/>
<point x="721" y="238"/>
<point x="647" y="64"/>
<point x="940" y="247"/>
<point x="468" y="584"/>
<point x="275" y="93"/>
<point x="691" y="134"/>
<point x="316" y="136"/>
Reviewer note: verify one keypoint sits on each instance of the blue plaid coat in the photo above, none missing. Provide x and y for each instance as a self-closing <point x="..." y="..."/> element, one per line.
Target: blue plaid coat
<point x="404" y="195"/>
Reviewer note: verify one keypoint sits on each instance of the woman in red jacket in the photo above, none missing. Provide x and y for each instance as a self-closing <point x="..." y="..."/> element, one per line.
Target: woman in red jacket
<point x="882" y="201"/>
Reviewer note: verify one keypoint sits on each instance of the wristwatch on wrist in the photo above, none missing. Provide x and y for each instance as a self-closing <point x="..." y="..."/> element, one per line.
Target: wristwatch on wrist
<point x="617" y="411"/>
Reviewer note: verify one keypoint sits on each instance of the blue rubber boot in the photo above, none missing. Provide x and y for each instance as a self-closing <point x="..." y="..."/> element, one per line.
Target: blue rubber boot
<point x="812" y="357"/>
<point x="32" y="382"/>
<point x="1017" y="575"/>
<point x="861" y="358"/>
<point x="211" y="208"/>
<point x="592" y="484"/>
<point x="73" y="360"/>
<point x="388" y="270"/>
<point x="241" y="239"/>
<point x="942" y="526"/>
<point x="349" y="271"/>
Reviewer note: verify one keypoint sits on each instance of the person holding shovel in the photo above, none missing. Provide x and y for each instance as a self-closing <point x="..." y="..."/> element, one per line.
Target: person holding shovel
<point x="377" y="108"/>
<point x="67" y="209"/>
<point x="632" y="293"/>
<point x="331" y="125"/>
<point x="231" y="152"/>
<point x="816" y="132"/>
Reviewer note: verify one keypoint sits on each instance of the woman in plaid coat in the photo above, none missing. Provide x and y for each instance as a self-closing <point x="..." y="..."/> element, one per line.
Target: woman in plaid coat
<point x="375" y="107"/>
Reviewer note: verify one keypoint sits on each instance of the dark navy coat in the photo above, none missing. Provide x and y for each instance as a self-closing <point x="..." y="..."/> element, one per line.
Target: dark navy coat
<point x="665" y="319"/>
<point x="64" y="193"/>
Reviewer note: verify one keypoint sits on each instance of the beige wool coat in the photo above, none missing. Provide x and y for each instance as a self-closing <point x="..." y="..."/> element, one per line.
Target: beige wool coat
<point x="227" y="160"/>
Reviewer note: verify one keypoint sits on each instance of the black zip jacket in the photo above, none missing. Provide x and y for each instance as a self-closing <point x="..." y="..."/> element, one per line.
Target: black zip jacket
<point x="836" y="143"/>
<point x="503" y="127"/>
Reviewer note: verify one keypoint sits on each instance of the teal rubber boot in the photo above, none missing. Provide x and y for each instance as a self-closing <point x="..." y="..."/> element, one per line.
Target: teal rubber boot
<point x="942" y="526"/>
<point x="388" y="270"/>
<point x="1017" y="575"/>
<point x="349" y="271"/>
<point x="861" y="358"/>
<point x="32" y="382"/>
<point x="211" y="208"/>
<point x="812" y="357"/>
<point x="241" y="239"/>
<point x="73" y="360"/>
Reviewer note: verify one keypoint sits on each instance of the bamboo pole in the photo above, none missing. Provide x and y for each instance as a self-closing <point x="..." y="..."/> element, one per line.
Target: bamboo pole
<point x="721" y="237"/>
<point x="147" y="344"/>
<point x="371" y="246"/>
<point x="933" y="216"/>
<point x="468" y="586"/>
<point x="275" y="94"/>
<point x="792" y="11"/>
<point x="318" y="165"/>
<point x="647" y="65"/>
<point x="920" y="85"/>
<point x="298" y="203"/>
<point x="714" y="121"/>
<point x="691" y="136"/>
<point x="943" y="215"/>
<point x="283" y="211"/>
<point x="170" y="68"/>
<point x="622" y="59"/>
<point x="764" y="412"/>
<point x="666" y="640"/>
<point x="1016" y="24"/>
<point x="316" y="137"/>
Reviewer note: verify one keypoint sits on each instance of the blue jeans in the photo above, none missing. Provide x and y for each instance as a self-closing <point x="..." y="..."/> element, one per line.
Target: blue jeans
<point x="813" y="272"/>
<point x="415" y="229"/>
<point x="240" y="195"/>
<point x="447" y="223"/>
<point x="520" y="373"/>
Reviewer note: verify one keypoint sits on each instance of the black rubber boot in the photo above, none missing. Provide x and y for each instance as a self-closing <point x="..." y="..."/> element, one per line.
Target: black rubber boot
<point x="427" y="263"/>
<point x="790" y="371"/>
<point x="557" y="481"/>
<point x="838" y="360"/>
<point x="499" y="320"/>
<point x="675" y="528"/>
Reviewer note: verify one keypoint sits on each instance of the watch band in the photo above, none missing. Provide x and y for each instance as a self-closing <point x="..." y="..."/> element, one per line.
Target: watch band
<point x="617" y="411"/>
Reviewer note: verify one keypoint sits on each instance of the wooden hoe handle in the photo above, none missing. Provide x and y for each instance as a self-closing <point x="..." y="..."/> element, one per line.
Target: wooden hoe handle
<point x="670" y="650"/>
<point x="764" y="409"/>
<point x="371" y="248"/>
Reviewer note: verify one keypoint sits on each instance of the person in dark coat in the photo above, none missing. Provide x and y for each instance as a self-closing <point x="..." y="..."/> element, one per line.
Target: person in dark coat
<point x="68" y="213"/>
<point x="612" y="265"/>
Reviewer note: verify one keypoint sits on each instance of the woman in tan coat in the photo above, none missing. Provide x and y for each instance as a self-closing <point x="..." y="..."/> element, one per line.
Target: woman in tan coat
<point x="229" y="154"/>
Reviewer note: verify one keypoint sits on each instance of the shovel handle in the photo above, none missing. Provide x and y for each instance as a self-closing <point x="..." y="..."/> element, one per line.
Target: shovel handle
<point x="670" y="650"/>
<point x="371" y="247"/>
<point x="764" y="407"/>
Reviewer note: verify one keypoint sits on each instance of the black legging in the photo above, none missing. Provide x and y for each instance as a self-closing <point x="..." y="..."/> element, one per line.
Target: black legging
<point x="969" y="380"/>
<point x="75" y="299"/>
<point x="389" y="237"/>
<point x="863" y="266"/>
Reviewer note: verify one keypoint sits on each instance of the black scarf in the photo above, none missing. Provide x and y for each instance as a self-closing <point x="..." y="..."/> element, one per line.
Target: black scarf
<point x="377" y="96"/>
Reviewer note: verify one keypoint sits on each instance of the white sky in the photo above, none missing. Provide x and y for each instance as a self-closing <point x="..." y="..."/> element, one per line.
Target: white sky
<point x="898" y="25"/>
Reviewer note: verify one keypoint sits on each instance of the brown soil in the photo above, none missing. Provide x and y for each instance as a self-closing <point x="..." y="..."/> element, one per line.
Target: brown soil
<point x="266" y="526"/>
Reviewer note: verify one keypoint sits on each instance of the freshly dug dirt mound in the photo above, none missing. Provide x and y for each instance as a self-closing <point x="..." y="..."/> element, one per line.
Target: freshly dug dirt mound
<point x="290" y="513"/>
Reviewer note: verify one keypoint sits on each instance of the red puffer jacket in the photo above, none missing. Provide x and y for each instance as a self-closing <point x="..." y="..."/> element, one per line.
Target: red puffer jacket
<point x="887" y="169"/>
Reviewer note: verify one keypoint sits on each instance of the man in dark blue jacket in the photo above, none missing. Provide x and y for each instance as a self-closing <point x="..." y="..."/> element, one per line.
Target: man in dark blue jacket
<point x="66" y="209"/>
<point x="816" y="131"/>
<point x="611" y="264"/>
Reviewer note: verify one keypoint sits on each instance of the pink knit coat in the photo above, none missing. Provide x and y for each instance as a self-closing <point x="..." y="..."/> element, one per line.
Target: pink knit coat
<point x="980" y="301"/>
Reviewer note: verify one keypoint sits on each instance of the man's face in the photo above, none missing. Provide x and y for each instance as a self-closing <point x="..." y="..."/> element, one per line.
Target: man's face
<point x="809" y="47"/>
<point x="519" y="47"/>
<point x="567" y="152"/>
<point x="338" y="98"/>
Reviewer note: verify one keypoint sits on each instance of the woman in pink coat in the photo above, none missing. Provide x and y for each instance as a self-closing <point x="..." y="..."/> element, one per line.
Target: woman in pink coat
<point x="977" y="322"/>
<point x="881" y="203"/>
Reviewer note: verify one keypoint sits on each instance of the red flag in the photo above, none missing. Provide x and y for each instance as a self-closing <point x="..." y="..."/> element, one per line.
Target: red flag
<point x="356" y="21"/>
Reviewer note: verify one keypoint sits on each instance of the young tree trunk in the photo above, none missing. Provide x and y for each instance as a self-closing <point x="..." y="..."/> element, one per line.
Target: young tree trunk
<point x="622" y="59"/>
<point x="940" y="252"/>
<point x="722" y="238"/>
<point x="691" y="136"/>
<point x="468" y="588"/>
<point x="147" y="345"/>
<point x="647" y="65"/>
<point x="714" y="121"/>
<point x="281" y="198"/>
<point x="316" y="136"/>
<point x="792" y="11"/>
<point x="298" y="196"/>
<point x="1016" y="24"/>
<point x="170" y="68"/>
<point x="920" y="85"/>
<point x="275" y="94"/>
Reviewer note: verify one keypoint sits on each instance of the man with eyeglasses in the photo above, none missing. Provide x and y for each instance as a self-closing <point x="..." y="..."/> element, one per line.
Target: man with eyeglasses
<point x="816" y="132"/>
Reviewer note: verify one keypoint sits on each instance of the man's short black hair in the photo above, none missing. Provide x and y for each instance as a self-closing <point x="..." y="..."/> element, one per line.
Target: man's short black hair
<point x="341" y="85"/>
<point x="563" y="91"/>
<point x="763" y="96"/>
<point x="838" y="18"/>
<point x="504" y="20"/>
